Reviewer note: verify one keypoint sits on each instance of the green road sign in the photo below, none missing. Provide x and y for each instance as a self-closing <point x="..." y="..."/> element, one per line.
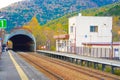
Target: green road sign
<point x="3" y="23"/>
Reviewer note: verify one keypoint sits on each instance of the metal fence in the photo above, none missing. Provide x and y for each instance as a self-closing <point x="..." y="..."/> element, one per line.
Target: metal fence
<point x="94" y="52"/>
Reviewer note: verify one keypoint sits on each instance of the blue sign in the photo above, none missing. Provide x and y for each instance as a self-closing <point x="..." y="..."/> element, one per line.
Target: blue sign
<point x="85" y="36"/>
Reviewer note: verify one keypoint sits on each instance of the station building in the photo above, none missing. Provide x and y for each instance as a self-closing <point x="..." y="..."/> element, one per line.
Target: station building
<point x="62" y="42"/>
<point x="87" y="32"/>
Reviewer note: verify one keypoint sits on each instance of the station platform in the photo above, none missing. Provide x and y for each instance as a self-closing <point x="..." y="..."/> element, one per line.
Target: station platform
<point x="86" y="58"/>
<point x="78" y="59"/>
<point x="12" y="67"/>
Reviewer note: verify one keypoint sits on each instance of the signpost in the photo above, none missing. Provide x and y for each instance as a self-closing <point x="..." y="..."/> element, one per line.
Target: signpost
<point x="3" y="23"/>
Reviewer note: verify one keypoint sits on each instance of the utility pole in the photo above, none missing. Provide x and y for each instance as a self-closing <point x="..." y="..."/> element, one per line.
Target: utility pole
<point x="0" y="44"/>
<point x="111" y="55"/>
<point x="75" y="41"/>
<point x="3" y="25"/>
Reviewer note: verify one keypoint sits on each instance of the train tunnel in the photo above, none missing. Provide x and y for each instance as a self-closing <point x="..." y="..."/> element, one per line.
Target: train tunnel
<point x="22" y="40"/>
<point x="22" y="43"/>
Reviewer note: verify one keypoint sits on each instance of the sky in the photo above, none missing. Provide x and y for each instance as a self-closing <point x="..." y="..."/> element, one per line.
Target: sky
<point x="4" y="3"/>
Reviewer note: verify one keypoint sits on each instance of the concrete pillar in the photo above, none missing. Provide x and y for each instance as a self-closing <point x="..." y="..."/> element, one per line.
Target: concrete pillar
<point x="112" y="69"/>
<point x="90" y="64"/>
<point x="95" y="65"/>
<point x="60" y="57"/>
<point x="55" y="56"/>
<point x="103" y="67"/>
<point x="68" y="59"/>
<point x="77" y="61"/>
<point x="64" y="58"/>
<point x="87" y="63"/>
<point x="73" y="60"/>
<point x="45" y="54"/>
<point x="52" y="55"/>
<point x="81" y="62"/>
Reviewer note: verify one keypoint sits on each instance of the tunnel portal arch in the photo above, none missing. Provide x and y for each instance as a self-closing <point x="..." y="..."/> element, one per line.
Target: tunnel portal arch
<point x="22" y="40"/>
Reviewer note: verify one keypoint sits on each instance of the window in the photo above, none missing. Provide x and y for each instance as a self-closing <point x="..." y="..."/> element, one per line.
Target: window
<point x="71" y="29"/>
<point x="93" y="28"/>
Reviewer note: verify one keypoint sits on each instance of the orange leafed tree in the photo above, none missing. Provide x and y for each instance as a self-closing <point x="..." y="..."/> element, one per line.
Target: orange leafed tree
<point x="43" y="35"/>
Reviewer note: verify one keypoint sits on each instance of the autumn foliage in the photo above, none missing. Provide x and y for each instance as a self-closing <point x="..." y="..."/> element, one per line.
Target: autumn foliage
<point x="43" y="35"/>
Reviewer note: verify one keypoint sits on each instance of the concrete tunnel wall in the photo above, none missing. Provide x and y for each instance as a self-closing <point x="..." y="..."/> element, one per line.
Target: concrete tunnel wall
<point x="22" y="40"/>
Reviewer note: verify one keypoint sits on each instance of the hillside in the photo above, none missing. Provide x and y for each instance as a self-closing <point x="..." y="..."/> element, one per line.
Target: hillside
<point x="109" y="10"/>
<point x="21" y="13"/>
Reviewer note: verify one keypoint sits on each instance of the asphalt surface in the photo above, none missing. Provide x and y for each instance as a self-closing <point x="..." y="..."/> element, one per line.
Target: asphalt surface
<point x="9" y="72"/>
<point x="7" y="68"/>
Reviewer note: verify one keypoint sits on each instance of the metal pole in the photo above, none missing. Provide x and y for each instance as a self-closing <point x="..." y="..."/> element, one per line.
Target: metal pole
<point x="119" y="45"/>
<point x="0" y="44"/>
<point x="119" y="49"/>
<point x="58" y="42"/>
<point x="111" y="56"/>
<point x="75" y="42"/>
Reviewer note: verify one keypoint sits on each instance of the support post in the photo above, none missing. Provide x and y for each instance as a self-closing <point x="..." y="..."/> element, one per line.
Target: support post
<point x="112" y="69"/>
<point x="81" y="62"/>
<point x="103" y="67"/>
<point x="87" y="63"/>
<point x="76" y="61"/>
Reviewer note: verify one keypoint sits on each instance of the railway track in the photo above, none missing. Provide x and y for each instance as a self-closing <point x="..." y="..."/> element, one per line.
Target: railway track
<point x="56" y="77"/>
<point x="99" y="75"/>
<point x="91" y="73"/>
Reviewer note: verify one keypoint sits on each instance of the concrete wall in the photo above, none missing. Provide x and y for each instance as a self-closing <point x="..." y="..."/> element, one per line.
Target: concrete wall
<point x="18" y="32"/>
<point x="81" y="32"/>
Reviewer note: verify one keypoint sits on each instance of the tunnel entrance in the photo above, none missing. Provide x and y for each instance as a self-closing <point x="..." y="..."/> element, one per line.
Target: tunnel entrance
<point x="22" y="43"/>
<point x="20" y="40"/>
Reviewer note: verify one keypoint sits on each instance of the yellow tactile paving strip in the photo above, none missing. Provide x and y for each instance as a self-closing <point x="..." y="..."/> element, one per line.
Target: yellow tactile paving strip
<point x="23" y="76"/>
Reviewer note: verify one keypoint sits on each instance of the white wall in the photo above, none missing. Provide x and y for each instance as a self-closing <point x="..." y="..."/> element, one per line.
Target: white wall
<point x="82" y="24"/>
<point x="62" y="45"/>
<point x="72" y="22"/>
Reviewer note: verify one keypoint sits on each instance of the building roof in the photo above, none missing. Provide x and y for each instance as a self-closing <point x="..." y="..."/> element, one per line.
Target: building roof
<point x="80" y="15"/>
<point x="101" y="43"/>
<point x="62" y="36"/>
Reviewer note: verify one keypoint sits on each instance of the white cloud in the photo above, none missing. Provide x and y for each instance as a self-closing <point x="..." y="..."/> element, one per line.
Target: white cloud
<point x="4" y="3"/>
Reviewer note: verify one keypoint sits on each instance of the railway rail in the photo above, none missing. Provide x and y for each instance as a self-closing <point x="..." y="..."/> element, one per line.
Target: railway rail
<point x="98" y="75"/>
<point x="77" y="68"/>
<point x="56" y="77"/>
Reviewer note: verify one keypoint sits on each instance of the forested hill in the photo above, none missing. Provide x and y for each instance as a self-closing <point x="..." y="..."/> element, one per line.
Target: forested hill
<point x="108" y="10"/>
<point x="21" y="13"/>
